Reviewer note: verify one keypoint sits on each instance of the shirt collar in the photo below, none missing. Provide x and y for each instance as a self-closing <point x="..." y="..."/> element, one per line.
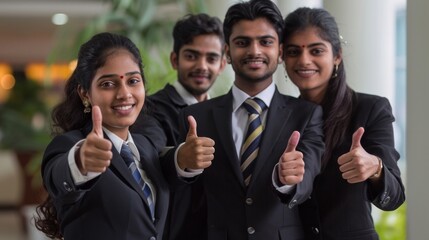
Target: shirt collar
<point x="239" y="96"/>
<point x="187" y="97"/>
<point x="117" y="142"/>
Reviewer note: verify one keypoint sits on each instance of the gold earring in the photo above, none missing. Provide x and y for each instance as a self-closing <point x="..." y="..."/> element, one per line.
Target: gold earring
<point x="335" y="73"/>
<point x="86" y="104"/>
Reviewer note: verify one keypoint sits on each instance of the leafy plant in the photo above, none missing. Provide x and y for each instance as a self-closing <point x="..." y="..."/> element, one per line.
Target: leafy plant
<point x="23" y="118"/>
<point x="139" y="21"/>
<point x="392" y="225"/>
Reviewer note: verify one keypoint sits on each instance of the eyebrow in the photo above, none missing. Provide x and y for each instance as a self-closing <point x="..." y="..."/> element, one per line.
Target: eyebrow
<point x="258" y="37"/>
<point x="199" y="53"/>
<point x="116" y="75"/>
<point x="309" y="45"/>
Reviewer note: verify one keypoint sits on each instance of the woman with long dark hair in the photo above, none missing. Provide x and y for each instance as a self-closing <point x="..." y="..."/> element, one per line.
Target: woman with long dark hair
<point x="359" y="166"/>
<point x="103" y="182"/>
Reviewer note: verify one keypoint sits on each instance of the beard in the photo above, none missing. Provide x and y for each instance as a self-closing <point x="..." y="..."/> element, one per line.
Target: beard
<point x="197" y="91"/>
<point x="253" y="79"/>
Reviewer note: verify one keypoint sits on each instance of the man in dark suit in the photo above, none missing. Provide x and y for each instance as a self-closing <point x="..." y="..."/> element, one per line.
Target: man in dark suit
<point x="198" y="58"/>
<point x="255" y="197"/>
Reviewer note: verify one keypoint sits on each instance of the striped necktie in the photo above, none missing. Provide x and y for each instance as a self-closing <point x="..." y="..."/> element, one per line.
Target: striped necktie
<point x="250" y="147"/>
<point x="128" y="156"/>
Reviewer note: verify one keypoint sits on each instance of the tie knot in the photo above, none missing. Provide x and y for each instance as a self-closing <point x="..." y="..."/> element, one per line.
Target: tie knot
<point x="126" y="154"/>
<point x="254" y="105"/>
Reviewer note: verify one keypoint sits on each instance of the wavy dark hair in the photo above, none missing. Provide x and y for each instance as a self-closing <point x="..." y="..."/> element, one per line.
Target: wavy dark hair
<point x="252" y="10"/>
<point x="69" y="115"/>
<point x="338" y="100"/>
<point x="193" y="25"/>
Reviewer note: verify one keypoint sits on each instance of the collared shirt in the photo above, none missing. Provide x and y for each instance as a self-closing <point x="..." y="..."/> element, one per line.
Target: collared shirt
<point x="240" y="115"/>
<point x="239" y="124"/>
<point x="117" y="142"/>
<point x="187" y="97"/>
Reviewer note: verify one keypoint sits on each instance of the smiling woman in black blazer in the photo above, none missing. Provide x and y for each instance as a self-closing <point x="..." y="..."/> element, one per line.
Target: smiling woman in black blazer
<point x="92" y="193"/>
<point x="359" y="166"/>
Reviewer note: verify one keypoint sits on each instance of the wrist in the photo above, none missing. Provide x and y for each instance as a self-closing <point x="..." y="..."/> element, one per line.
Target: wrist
<point x="377" y="174"/>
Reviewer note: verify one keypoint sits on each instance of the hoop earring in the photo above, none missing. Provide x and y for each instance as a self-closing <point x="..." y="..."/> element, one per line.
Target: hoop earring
<point x="86" y="104"/>
<point x="335" y="73"/>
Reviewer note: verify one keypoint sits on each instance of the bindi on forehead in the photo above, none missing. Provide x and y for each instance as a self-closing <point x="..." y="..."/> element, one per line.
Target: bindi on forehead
<point x="121" y="76"/>
<point x="303" y="46"/>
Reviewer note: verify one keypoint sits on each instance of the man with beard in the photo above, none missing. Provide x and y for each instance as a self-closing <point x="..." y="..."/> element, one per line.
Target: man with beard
<point x="198" y="57"/>
<point x="252" y="182"/>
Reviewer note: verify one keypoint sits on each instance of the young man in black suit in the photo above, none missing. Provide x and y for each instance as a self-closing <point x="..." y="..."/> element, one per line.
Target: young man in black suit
<point x="198" y="57"/>
<point x="252" y="197"/>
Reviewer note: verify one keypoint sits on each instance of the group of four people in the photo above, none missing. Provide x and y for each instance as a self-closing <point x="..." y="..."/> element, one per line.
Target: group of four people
<point x="250" y="164"/>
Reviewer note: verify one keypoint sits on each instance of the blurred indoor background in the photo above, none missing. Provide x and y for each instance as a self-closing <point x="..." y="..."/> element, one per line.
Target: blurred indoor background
<point x="385" y="50"/>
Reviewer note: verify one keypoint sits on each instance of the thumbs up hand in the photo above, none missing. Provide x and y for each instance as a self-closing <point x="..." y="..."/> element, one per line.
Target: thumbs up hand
<point x="291" y="164"/>
<point x="196" y="152"/>
<point x="357" y="165"/>
<point x="95" y="153"/>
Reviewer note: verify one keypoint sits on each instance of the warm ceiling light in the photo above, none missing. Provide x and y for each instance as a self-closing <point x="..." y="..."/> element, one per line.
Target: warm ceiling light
<point x="5" y="69"/>
<point x="7" y="81"/>
<point x="60" y="19"/>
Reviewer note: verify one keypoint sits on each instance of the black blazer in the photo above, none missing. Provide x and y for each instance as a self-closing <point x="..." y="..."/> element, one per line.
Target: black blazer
<point x="184" y="213"/>
<point x="258" y="212"/>
<point x="345" y="209"/>
<point x="164" y="106"/>
<point x="112" y="205"/>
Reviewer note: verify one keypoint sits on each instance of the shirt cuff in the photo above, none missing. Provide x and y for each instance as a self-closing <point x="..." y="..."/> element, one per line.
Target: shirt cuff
<point x="77" y="176"/>
<point x="278" y="185"/>
<point x="188" y="173"/>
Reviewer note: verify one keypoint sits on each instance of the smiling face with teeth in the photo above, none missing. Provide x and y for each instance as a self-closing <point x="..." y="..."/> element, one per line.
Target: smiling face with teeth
<point x="118" y="89"/>
<point x="309" y="62"/>
<point x="255" y="52"/>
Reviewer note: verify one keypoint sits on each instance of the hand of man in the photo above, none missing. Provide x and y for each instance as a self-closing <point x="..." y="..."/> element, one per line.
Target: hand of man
<point x="291" y="164"/>
<point x="196" y="152"/>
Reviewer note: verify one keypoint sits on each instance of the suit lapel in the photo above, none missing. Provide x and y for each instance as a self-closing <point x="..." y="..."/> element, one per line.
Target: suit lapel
<point x="222" y="117"/>
<point x="277" y="118"/>
<point x="119" y="165"/>
<point x="150" y="171"/>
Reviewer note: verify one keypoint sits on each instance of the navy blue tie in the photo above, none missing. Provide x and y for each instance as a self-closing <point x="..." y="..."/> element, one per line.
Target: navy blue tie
<point x="128" y="156"/>
<point x="250" y="147"/>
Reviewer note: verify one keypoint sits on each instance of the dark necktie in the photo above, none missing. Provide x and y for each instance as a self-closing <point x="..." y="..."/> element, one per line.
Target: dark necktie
<point x="250" y="147"/>
<point x="128" y="156"/>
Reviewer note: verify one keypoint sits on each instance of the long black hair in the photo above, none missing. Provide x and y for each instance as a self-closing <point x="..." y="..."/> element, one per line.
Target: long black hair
<point x="338" y="100"/>
<point x="69" y="114"/>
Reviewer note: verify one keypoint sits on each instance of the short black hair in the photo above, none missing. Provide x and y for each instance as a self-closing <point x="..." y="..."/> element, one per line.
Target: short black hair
<point x="252" y="10"/>
<point x="192" y="25"/>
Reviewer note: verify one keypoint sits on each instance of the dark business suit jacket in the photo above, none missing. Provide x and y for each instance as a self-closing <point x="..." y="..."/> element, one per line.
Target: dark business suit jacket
<point x="164" y="106"/>
<point x="345" y="209"/>
<point x="112" y="205"/>
<point x="185" y="202"/>
<point x="258" y="212"/>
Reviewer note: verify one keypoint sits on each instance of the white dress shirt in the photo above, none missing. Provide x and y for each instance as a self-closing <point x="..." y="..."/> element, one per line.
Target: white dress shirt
<point x="79" y="178"/>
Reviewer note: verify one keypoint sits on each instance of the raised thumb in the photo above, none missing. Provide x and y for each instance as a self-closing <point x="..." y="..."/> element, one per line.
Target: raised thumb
<point x="356" y="138"/>
<point x="97" y="121"/>
<point x="293" y="141"/>
<point x="192" y="132"/>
